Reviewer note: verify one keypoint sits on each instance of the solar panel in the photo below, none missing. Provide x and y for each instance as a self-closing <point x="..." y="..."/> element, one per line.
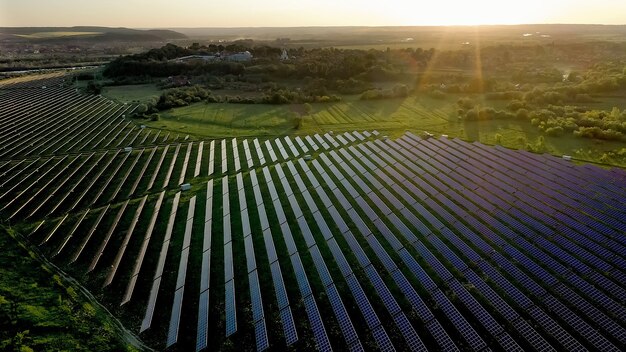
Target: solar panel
<point x="255" y="297"/>
<point x="301" y="144"/>
<point x="411" y="337"/>
<point x="291" y="246"/>
<point x="206" y="269"/>
<point x="250" y="258"/>
<point x="245" y="223"/>
<point x="226" y="228"/>
<point x="203" y="319"/>
<point x="319" y="333"/>
<point x="172" y="334"/>
<point x="269" y="245"/>
<point x="311" y="142"/>
<point x="260" y="332"/>
<point x="228" y="262"/>
<point x="301" y="277"/>
<point x="291" y="336"/>
<point x="263" y="217"/>
<point x="321" y="223"/>
<point x="341" y="261"/>
<point x="229" y="308"/>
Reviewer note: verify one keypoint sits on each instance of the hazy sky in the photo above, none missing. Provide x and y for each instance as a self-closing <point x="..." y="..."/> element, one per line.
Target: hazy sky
<point x="270" y="13"/>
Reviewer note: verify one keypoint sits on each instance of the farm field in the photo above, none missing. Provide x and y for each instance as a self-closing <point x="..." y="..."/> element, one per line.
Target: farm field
<point x="367" y="237"/>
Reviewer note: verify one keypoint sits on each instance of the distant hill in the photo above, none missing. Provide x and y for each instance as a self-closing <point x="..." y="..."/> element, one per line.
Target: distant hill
<point x="86" y="33"/>
<point x="560" y="31"/>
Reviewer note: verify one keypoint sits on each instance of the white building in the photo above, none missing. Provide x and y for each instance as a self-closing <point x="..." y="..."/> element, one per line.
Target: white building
<point x="240" y="57"/>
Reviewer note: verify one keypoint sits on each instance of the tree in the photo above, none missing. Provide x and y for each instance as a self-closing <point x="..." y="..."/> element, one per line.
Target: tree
<point x="141" y="109"/>
<point x="308" y="108"/>
<point x="93" y="88"/>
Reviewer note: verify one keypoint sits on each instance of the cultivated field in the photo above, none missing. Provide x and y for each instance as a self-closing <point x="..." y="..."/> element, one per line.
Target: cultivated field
<point x="349" y="240"/>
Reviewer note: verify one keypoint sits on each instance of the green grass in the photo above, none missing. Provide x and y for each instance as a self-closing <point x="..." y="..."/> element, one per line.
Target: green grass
<point x="389" y="116"/>
<point x="131" y="93"/>
<point x="41" y="310"/>
<point x="48" y="35"/>
<point x="222" y="120"/>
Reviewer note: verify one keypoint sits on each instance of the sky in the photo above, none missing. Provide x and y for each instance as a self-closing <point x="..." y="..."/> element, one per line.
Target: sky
<point x="296" y="13"/>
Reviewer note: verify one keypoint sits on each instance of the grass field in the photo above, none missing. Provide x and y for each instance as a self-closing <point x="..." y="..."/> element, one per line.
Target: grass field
<point x="130" y="93"/>
<point x="48" y="35"/>
<point x="221" y="120"/>
<point x="46" y="311"/>
<point x="390" y="116"/>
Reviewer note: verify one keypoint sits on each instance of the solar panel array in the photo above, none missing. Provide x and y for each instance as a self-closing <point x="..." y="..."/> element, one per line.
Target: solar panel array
<point x="408" y="244"/>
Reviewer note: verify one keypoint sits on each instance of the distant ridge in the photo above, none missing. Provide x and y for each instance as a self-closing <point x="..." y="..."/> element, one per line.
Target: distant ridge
<point x="86" y="33"/>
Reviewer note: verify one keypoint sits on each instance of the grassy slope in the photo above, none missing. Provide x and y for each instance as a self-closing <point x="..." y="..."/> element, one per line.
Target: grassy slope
<point x="221" y="120"/>
<point x="130" y="93"/>
<point x="390" y="116"/>
<point x="40" y="310"/>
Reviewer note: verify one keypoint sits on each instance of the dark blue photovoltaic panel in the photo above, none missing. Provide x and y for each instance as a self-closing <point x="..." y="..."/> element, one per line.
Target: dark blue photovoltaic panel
<point x="321" y="223"/>
<point x="229" y="308"/>
<point x="260" y="333"/>
<point x="242" y="199"/>
<point x="312" y="178"/>
<point x="342" y="317"/>
<point x="417" y="270"/>
<point x="470" y="335"/>
<point x="269" y="245"/>
<point x="416" y="301"/>
<point x="263" y="217"/>
<point x="206" y="269"/>
<point x="356" y="249"/>
<point x="342" y="199"/>
<point x="356" y="219"/>
<point x="369" y="212"/>
<point x="306" y="231"/>
<point x="245" y="223"/>
<point x="340" y="260"/>
<point x="203" y="319"/>
<point x="279" y="285"/>
<point x="321" y="266"/>
<point x="412" y="339"/>
<point x="389" y="236"/>
<point x="226" y="204"/>
<point x="250" y="258"/>
<point x="172" y="334"/>
<point x="295" y="207"/>
<point x="289" y="328"/>
<point x="321" y="339"/>
<point x="291" y="246"/>
<point x="382" y="290"/>
<point x="361" y="184"/>
<point x="303" y="282"/>
<point x="228" y="262"/>
<point x="309" y="200"/>
<point x="255" y="297"/>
